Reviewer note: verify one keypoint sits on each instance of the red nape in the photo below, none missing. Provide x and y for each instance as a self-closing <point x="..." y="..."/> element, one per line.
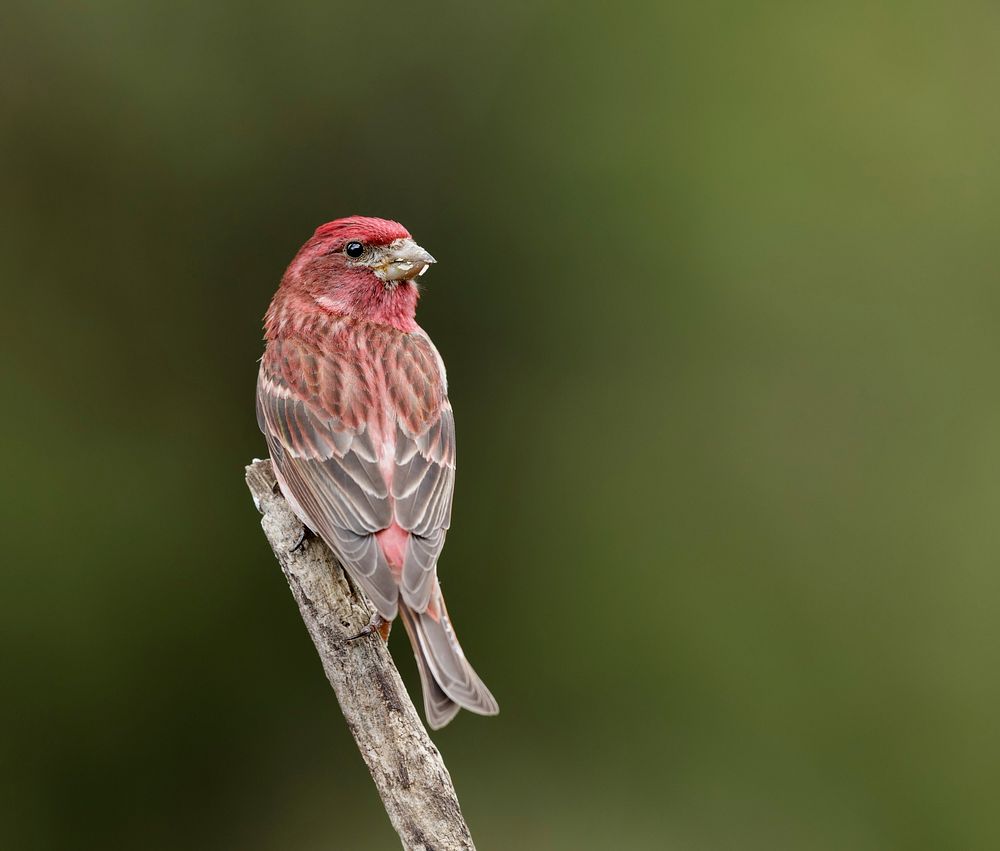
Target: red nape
<point x="364" y="229"/>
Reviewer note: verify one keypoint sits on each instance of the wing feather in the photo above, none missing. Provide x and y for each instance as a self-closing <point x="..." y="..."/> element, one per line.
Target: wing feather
<point x="330" y="468"/>
<point x="314" y="404"/>
<point x="422" y="487"/>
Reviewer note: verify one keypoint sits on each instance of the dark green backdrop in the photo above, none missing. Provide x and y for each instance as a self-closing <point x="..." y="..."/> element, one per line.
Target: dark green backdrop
<point x="717" y="291"/>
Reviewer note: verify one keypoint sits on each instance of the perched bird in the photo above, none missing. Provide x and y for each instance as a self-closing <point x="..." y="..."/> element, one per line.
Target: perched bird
<point x="353" y="401"/>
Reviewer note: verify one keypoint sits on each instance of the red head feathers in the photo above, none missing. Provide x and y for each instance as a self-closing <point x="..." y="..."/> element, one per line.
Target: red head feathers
<point x="360" y="267"/>
<point x="363" y="228"/>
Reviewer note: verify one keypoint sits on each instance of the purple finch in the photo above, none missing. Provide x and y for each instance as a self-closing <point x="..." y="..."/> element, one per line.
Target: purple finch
<point x="353" y="401"/>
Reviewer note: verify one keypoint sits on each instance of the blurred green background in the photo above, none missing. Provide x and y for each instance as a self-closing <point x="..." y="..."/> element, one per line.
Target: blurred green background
<point x="717" y="291"/>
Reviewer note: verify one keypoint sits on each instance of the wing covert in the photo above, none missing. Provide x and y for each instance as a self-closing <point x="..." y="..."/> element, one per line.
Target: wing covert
<point x="330" y="467"/>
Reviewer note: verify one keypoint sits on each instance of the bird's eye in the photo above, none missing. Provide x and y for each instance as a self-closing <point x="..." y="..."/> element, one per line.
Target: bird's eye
<point x="354" y="249"/>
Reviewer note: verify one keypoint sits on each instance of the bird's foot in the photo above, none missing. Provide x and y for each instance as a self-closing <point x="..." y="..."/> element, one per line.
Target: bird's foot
<point x="377" y="624"/>
<point x="304" y="536"/>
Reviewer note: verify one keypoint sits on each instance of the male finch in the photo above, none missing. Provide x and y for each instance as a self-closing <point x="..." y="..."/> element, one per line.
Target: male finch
<point x="352" y="399"/>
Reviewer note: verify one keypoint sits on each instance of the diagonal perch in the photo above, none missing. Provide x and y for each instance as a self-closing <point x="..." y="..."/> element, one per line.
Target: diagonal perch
<point x="407" y="768"/>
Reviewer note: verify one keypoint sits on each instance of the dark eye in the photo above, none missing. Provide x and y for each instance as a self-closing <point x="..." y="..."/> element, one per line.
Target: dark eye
<point x="354" y="249"/>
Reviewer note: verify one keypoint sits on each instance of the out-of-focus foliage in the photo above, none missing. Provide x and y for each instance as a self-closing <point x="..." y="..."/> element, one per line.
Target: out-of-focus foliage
<point x="718" y="296"/>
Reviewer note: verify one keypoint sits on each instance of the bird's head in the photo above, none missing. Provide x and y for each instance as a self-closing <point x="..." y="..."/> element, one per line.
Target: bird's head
<point x="361" y="267"/>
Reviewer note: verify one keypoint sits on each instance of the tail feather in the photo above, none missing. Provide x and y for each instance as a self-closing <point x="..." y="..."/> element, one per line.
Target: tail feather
<point x="448" y="680"/>
<point x="438" y="707"/>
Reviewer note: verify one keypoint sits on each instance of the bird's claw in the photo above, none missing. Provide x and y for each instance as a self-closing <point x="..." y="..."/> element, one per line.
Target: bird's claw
<point x="376" y="624"/>
<point x="304" y="535"/>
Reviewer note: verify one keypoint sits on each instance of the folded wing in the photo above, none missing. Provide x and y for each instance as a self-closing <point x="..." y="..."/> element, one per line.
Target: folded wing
<point x="315" y="408"/>
<point x="330" y="467"/>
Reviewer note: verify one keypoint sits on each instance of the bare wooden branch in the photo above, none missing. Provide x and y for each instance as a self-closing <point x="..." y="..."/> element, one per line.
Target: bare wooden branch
<point x="408" y="771"/>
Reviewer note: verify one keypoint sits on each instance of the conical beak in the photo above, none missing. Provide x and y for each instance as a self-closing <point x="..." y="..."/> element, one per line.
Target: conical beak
<point x="404" y="260"/>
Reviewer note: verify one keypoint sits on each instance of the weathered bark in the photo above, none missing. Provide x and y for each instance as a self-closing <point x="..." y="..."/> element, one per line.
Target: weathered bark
<point x="408" y="771"/>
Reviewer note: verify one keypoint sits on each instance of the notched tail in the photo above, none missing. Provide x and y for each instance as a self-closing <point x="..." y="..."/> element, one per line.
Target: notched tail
<point x="448" y="680"/>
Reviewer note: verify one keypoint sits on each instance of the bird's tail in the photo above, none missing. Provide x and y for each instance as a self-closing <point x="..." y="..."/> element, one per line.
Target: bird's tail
<point x="448" y="681"/>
